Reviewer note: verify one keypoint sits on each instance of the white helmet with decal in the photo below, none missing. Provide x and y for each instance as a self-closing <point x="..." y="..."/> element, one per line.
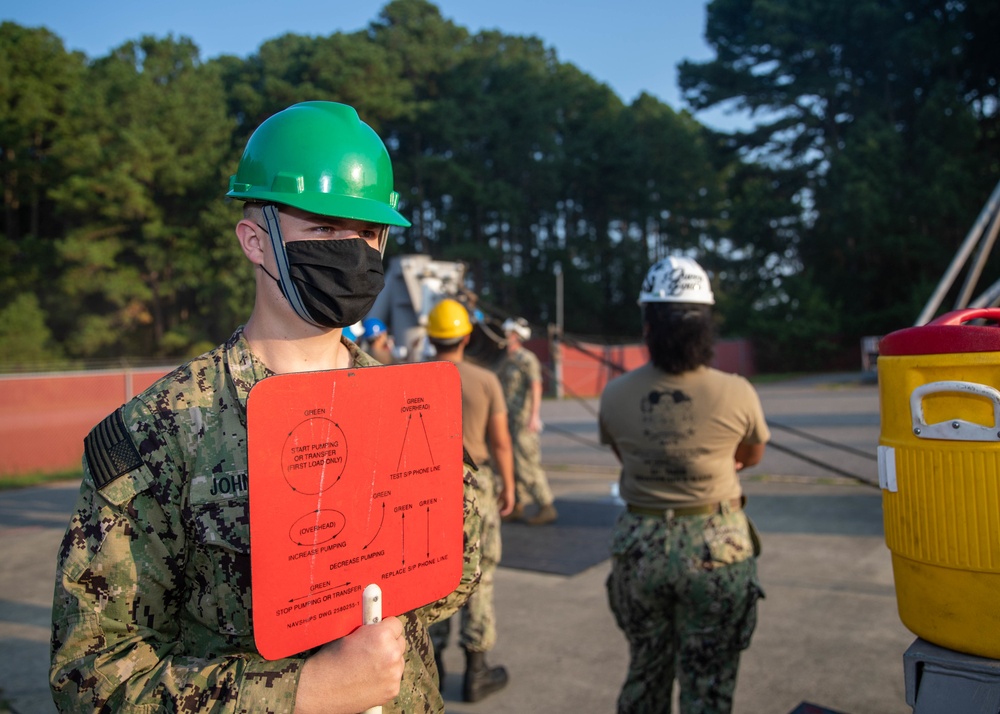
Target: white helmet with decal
<point x="676" y="279"/>
<point x="519" y="326"/>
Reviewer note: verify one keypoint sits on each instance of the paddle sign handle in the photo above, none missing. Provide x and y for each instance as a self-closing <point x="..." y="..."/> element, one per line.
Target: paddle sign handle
<point x="371" y="613"/>
<point x="371" y="606"/>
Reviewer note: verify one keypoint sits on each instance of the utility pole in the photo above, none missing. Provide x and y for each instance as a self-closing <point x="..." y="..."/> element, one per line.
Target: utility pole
<point x="556" y="344"/>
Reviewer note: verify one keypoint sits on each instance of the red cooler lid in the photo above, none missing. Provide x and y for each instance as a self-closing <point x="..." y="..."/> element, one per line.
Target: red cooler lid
<point x="946" y="335"/>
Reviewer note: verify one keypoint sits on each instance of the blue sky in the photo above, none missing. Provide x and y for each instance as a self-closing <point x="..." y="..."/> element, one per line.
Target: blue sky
<point x="631" y="45"/>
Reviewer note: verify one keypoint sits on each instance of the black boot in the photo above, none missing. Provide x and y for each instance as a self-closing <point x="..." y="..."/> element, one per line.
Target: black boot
<point x="481" y="680"/>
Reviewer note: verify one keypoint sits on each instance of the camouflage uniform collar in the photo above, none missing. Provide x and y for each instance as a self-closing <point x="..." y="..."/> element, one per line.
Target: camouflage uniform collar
<point x="246" y="369"/>
<point x="359" y="357"/>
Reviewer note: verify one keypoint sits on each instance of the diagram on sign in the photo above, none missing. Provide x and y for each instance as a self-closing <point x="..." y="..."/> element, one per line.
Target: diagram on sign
<point x="314" y="456"/>
<point x="355" y="478"/>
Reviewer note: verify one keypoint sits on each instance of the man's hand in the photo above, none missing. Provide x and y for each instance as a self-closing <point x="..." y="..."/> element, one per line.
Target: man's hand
<point x="503" y="455"/>
<point x="354" y="673"/>
<point x="505" y="501"/>
<point x="748" y="455"/>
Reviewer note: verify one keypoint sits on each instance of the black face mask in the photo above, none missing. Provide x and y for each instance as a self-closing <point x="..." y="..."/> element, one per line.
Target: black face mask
<point x="337" y="280"/>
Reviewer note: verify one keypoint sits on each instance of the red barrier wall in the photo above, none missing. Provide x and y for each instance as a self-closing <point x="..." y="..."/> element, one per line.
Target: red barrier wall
<point x="45" y="417"/>
<point x="586" y="368"/>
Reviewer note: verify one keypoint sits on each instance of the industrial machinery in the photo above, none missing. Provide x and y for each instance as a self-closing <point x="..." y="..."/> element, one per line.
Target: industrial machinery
<point x="414" y="284"/>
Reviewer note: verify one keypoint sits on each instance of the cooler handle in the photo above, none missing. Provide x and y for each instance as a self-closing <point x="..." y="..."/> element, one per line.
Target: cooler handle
<point x="958" y="317"/>
<point x="954" y="429"/>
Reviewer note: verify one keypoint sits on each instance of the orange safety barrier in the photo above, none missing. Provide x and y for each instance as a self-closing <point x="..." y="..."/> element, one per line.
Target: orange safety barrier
<point x="45" y="417"/>
<point x="588" y="367"/>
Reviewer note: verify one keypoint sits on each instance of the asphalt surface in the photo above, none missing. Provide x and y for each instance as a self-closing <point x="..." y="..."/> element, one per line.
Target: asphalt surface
<point x="828" y="631"/>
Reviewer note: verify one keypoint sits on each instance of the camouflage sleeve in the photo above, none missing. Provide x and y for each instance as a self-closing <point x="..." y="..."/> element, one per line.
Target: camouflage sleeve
<point x="453" y="602"/>
<point x="118" y="624"/>
<point x="419" y="690"/>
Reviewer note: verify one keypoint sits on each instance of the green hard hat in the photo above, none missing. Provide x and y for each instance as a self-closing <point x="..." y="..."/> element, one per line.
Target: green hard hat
<point x="321" y="158"/>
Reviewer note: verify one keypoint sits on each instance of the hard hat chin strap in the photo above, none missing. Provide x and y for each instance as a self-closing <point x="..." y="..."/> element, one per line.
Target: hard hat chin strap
<point x="288" y="289"/>
<point x="383" y="238"/>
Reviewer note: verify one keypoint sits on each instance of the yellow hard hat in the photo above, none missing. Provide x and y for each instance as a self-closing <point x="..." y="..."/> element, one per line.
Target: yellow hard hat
<point x="448" y="320"/>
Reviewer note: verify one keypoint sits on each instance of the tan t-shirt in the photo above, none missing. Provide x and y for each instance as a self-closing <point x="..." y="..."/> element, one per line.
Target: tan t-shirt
<point x="482" y="397"/>
<point x="677" y="434"/>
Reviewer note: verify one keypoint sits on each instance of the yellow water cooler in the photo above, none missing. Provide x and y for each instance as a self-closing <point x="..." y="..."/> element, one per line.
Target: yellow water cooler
<point x="939" y="470"/>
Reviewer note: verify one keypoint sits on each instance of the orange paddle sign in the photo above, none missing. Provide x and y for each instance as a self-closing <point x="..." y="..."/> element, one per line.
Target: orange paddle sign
<point x="355" y="478"/>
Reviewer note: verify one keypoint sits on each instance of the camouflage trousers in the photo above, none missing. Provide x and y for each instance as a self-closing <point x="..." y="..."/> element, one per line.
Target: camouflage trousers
<point x="530" y="483"/>
<point x="684" y="591"/>
<point x="478" y="630"/>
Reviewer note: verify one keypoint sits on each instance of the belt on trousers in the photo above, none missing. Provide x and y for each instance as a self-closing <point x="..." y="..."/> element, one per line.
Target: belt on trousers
<point x="703" y="510"/>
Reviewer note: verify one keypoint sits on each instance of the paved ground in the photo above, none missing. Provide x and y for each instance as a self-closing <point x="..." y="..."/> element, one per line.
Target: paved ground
<point x="828" y="631"/>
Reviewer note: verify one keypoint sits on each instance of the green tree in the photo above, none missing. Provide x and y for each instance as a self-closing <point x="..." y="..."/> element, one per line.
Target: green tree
<point x="38" y="79"/>
<point x="490" y="162"/>
<point x="671" y="194"/>
<point x="515" y="162"/>
<point x="875" y="116"/>
<point x="25" y="339"/>
<point x="421" y="47"/>
<point x="38" y="82"/>
<point x="148" y="159"/>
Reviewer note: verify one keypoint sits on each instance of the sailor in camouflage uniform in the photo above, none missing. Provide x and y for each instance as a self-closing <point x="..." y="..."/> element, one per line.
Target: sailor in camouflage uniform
<point x="152" y="607"/>
<point x="487" y="442"/>
<point x="683" y="585"/>
<point x="520" y="375"/>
